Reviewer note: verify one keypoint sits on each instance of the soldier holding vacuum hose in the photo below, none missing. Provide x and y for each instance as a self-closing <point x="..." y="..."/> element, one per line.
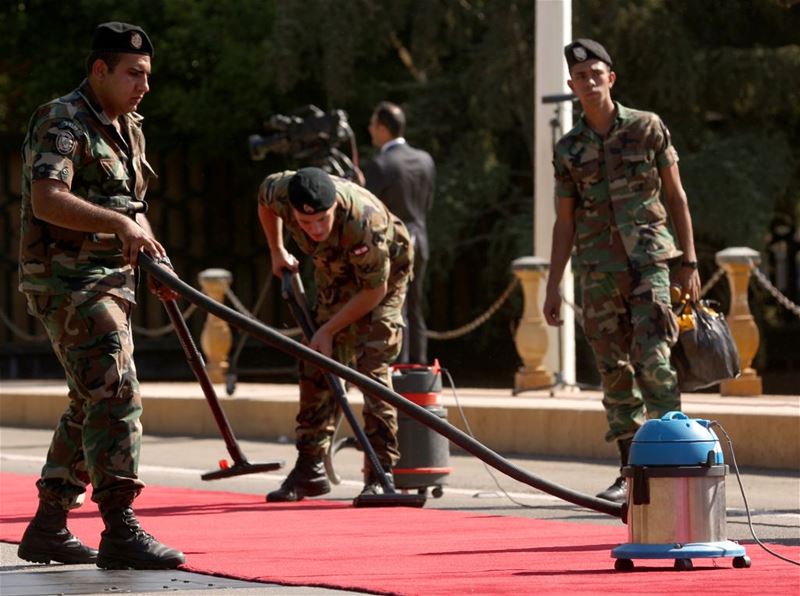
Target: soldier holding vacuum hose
<point x="363" y="260"/>
<point x="84" y="168"/>
<point x="610" y="171"/>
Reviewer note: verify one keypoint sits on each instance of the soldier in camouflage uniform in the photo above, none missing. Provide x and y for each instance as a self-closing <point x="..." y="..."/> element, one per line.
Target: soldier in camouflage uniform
<point x="362" y="264"/>
<point x="84" y="167"/>
<point x="610" y="171"/>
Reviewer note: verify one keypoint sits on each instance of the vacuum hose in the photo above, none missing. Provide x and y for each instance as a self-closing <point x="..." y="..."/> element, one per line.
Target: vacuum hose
<point x="373" y="388"/>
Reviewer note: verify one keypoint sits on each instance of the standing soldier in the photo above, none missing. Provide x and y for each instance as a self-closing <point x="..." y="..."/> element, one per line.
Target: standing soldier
<point x="84" y="171"/>
<point x="362" y="263"/>
<point x="610" y="171"/>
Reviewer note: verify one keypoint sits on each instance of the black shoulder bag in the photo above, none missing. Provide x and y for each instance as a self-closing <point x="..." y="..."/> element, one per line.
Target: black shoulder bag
<point x="705" y="353"/>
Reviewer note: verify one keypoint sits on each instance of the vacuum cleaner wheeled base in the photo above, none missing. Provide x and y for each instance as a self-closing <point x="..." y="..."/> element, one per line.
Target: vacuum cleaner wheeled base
<point x="682" y="553"/>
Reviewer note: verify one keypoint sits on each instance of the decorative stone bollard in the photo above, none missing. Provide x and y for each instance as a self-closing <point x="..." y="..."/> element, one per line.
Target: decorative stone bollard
<point x="216" y="338"/>
<point x="531" y="337"/>
<point x="737" y="263"/>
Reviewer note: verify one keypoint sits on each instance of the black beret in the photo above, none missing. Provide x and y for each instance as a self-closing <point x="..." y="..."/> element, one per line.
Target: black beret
<point x="581" y="50"/>
<point x="122" y="38"/>
<point x="311" y="190"/>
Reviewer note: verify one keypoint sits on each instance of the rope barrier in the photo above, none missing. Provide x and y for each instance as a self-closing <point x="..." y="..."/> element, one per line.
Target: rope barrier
<point x="477" y="322"/>
<point x="712" y="281"/>
<point x="163" y="330"/>
<point x="762" y="279"/>
<point x="237" y="304"/>
<point x="25" y="336"/>
<point x="775" y="292"/>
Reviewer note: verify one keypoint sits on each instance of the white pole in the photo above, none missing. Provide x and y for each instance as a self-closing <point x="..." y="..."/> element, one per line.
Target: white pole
<point x="553" y="32"/>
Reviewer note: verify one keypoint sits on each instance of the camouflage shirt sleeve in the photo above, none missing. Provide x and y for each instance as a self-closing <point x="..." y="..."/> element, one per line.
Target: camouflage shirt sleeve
<point x="54" y="146"/>
<point x="274" y="193"/>
<point x="565" y="184"/>
<point x="370" y="260"/>
<point x="666" y="154"/>
<point x="367" y="239"/>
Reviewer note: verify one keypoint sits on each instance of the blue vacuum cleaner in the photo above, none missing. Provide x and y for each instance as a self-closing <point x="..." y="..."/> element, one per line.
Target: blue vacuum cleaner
<point x="676" y="495"/>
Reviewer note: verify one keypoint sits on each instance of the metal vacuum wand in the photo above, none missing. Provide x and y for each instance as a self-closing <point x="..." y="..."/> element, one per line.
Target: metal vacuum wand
<point x="240" y="464"/>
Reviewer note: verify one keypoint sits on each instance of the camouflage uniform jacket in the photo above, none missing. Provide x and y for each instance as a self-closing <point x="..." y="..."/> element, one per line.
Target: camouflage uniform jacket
<point x="620" y="219"/>
<point x="72" y="140"/>
<point x="367" y="245"/>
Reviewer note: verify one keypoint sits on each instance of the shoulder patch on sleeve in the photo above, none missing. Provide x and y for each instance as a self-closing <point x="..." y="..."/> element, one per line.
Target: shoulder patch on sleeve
<point x="65" y="142"/>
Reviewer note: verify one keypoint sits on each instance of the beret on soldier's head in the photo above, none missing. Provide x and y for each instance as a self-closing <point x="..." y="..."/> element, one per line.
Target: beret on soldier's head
<point x="121" y="37"/>
<point x="582" y="50"/>
<point x="311" y="190"/>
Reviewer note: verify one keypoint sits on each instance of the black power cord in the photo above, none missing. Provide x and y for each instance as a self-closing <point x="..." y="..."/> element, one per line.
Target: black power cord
<point x="716" y="424"/>
<point x="472" y="434"/>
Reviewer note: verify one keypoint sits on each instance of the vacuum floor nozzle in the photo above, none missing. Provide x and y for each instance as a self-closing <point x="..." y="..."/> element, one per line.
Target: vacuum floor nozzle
<point x="240" y="469"/>
<point x="390" y="500"/>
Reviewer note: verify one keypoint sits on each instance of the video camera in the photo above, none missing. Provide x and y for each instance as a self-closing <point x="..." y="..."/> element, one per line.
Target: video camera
<point x="308" y="134"/>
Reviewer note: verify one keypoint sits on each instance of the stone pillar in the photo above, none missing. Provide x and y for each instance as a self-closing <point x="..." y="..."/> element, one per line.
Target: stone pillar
<point x="737" y="263"/>
<point x="531" y="337"/>
<point x="216" y="338"/>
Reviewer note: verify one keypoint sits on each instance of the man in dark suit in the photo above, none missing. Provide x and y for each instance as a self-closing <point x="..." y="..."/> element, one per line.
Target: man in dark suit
<point x="403" y="178"/>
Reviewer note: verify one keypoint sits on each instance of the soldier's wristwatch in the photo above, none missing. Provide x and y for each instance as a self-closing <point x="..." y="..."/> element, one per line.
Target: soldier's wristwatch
<point x="689" y="264"/>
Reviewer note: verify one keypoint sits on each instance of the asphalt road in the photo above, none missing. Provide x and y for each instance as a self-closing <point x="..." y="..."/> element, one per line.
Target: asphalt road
<point x="773" y="497"/>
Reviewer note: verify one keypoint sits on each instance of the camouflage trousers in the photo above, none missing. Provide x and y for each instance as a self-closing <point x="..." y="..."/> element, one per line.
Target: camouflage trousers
<point x="98" y="438"/>
<point x="630" y="326"/>
<point x="372" y="344"/>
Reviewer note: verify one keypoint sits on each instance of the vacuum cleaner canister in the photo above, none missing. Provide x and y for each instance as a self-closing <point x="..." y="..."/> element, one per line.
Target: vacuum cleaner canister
<point x="676" y="494"/>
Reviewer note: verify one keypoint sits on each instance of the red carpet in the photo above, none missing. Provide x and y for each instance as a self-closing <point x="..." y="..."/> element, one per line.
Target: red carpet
<point x="400" y="550"/>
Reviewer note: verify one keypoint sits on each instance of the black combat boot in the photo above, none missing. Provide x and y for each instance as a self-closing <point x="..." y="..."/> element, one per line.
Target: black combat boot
<point x="47" y="538"/>
<point x="618" y="492"/>
<point x="307" y="479"/>
<point x="125" y="545"/>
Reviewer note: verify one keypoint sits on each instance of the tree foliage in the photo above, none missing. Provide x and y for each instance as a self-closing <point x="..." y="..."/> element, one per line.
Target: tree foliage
<point x="722" y="73"/>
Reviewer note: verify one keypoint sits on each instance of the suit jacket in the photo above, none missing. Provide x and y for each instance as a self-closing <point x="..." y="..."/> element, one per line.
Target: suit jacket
<point x="403" y="178"/>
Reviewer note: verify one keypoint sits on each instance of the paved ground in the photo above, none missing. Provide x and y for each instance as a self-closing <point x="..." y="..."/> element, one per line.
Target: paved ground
<point x="561" y="423"/>
<point x="773" y="497"/>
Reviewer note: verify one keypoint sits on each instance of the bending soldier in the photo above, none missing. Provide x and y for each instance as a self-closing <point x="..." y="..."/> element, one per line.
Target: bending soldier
<point x="363" y="260"/>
